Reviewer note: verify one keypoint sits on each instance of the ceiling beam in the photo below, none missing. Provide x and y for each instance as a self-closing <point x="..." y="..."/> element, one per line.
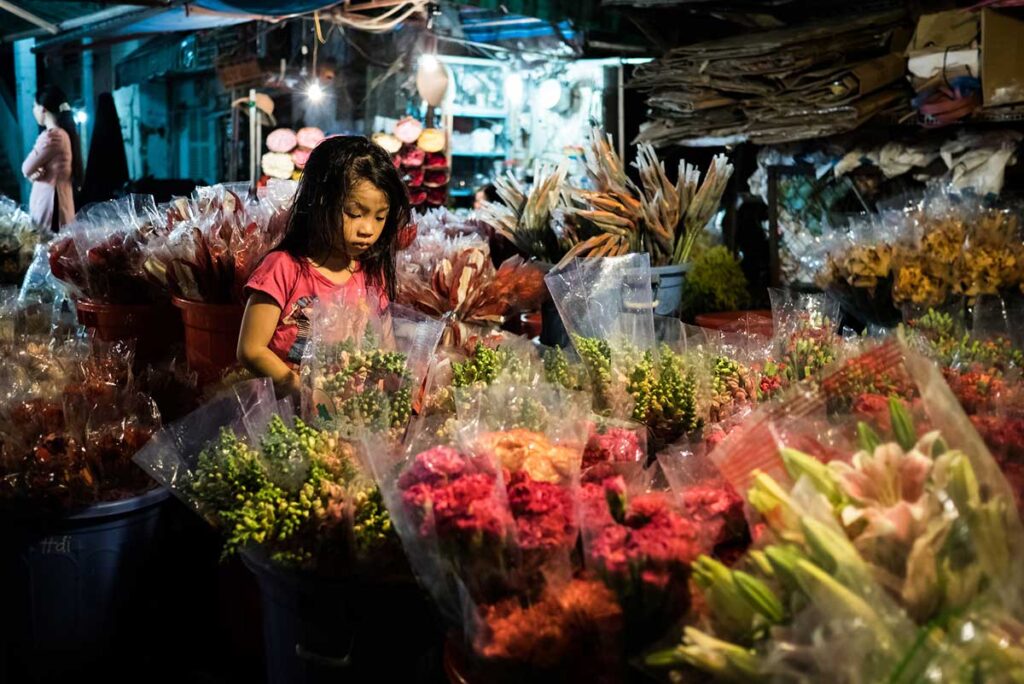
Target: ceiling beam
<point x="29" y="17"/>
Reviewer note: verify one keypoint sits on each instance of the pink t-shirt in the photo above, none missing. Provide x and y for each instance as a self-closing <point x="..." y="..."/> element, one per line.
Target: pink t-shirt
<point x="295" y="290"/>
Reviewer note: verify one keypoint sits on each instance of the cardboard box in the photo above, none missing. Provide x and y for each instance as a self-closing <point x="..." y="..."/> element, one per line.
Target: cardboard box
<point x="1002" y="59"/>
<point x="944" y="41"/>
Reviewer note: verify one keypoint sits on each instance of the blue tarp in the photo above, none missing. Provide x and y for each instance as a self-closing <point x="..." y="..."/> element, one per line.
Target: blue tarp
<point x="267" y="8"/>
<point x="178" y="19"/>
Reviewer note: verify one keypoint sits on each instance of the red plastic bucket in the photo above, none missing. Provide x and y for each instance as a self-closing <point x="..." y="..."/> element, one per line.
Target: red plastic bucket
<point x="154" y="327"/>
<point x="211" y="336"/>
<point x="758" y="322"/>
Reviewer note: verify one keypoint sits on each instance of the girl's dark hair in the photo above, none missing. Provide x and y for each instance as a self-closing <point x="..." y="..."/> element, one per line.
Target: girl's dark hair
<point x="52" y="98"/>
<point x="334" y="167"/>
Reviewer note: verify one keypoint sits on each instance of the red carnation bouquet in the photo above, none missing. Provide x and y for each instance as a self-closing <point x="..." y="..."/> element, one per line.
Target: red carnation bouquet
<point x="615" y="441"/>
<point x="640" y="542"/>
<point x="489" y="522"/>
<point x="707" y="498"/>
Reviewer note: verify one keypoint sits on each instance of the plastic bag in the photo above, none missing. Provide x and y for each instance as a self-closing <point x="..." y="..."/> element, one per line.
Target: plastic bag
<point x="229" y="458"/>
<point x="442" y="273"/>
<point x="640" y="543"/>
<point x="908" y="531"/>
<point x="363" y="366"/>
<point x="606" y="305"/>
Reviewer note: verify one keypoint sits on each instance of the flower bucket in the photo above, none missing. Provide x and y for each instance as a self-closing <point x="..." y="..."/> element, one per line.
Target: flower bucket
<point x="73" y="585"/>
<point x="667" y="288"/>
<point x="758" y="322"/>
<point x="318" y="629"/>
<point x="211" y="336"/>
<point x="154" y="327"/>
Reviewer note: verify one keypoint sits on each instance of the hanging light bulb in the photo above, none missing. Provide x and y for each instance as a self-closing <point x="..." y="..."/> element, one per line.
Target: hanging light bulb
<point x="81" y="117"/>
<point x="315" y="92"/>
<point x="514" y="88"/>
<point x="431" y="79"/>
<point x="429" y="62"/>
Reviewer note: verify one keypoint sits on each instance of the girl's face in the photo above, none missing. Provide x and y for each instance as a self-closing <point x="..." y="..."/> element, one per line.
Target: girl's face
<point x="365" y="213"/>
<point x="39" y="113"/>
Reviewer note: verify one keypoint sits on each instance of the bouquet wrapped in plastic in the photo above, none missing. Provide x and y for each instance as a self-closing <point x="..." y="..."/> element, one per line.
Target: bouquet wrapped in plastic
<point x="103" y="255"/>
<point x="607" y="307"/>
<point x="214" y="241"/>
<point x="489" y="522"/>
<point x="805" y="339"/>
<point x="888" y="544"/>
<point x="273" y="484"/>
<point x="503" y="357"/>
<point x="639" y="541"/>
<point x="18" y="238"/>
<point x="709" y="500"/>
<point x="364" y="366"/>
<point x="927" y="257"/>
<point x="859" y="269"/>
<point x="454" y="276"/>
<point x="73" y="419"/>
<point x="992" y="261"/>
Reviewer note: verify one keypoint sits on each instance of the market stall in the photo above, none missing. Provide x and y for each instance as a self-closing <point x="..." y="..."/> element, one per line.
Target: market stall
<point x="574" y="435"/>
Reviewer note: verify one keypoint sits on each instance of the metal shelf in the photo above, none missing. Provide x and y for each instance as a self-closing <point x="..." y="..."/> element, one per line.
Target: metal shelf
<point x="479" y="112"/>
<point x="479" y="155"/>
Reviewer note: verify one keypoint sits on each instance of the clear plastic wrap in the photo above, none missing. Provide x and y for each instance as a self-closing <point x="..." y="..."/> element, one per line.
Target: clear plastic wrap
<point x="72" y="420"/>
<point x="993" y="253"/>
<point x="606" y="305"/>
<point x="927" y="260"/>
<point x="101" y="254"/>
<point x="273" y="484"/>
<point x="637" y="539"/>
<point x="214" y="241"/>
<point x="806" y="340"/>
<point x="364" y="366"/>
<point x="447" y="272"/>
<point x="859" y="273"/>
<point x="890" y="561"/>
<point x="707" y="498"/>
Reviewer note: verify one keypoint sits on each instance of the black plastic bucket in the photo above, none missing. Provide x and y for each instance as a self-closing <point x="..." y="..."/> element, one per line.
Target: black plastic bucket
<point x="73" y="585"/>
<point x="319" y="630"/>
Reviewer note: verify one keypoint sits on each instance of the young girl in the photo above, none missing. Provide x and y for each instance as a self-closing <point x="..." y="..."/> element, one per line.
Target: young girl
<point x="341" y="240"/>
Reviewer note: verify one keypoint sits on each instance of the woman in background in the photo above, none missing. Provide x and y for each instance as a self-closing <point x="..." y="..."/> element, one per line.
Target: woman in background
<point x="55" y="163"/>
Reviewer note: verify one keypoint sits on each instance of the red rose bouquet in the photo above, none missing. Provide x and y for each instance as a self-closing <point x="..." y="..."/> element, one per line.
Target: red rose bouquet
<point x="72" y="421"/>
<point x="102" y="257"/>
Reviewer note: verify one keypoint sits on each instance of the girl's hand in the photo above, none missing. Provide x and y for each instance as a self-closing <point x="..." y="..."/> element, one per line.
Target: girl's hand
<point x="291" y="387"/>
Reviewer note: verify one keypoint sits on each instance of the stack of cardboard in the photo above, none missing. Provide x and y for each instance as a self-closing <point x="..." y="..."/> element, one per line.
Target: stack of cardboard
<point x="776" y="86"/>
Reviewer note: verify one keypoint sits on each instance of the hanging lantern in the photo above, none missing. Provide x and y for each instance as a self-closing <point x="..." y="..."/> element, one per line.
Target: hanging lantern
<point x="431" y="80"/>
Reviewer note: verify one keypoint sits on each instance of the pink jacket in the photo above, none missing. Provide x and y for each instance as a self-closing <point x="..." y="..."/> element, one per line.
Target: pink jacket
<point x="51" y="156"/>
